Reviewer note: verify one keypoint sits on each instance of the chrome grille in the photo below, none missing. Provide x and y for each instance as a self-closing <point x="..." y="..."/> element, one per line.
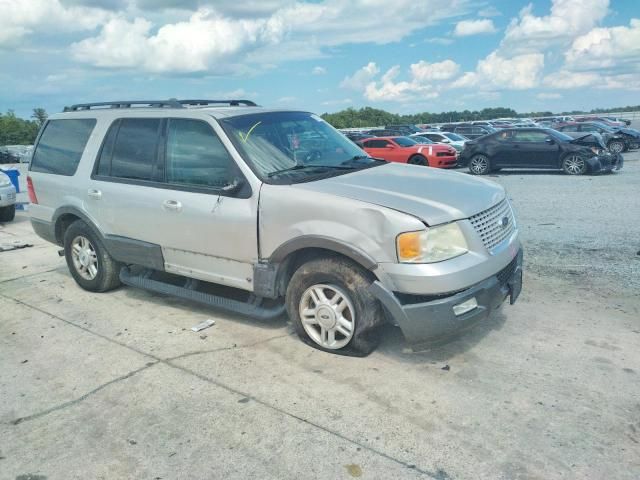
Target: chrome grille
<point x="489" y="224"/>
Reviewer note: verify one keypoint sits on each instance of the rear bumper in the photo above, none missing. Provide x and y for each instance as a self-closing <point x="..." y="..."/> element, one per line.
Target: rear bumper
<point x="44" y="230"/>
<point x="428" y="322"/>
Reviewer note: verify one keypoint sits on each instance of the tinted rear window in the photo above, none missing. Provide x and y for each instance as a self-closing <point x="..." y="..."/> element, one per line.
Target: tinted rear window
<point x="130" y="149"/>
<point x="61" y="145"/>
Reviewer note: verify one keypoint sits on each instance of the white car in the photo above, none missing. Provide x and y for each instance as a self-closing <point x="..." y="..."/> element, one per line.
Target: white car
<point x="7" y="198"/>
<point x="453" y="139"/>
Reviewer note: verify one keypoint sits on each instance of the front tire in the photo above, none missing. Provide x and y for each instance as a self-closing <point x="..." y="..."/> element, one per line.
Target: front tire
<point x="479" y="165"/>
<point x="574" y="164"/>
<point x="90" y="264"/>
<point x="7" y="214"/>
<point x="616" y="146"/>
<point x="331" y="308"/>
<point x="418" y="160"/>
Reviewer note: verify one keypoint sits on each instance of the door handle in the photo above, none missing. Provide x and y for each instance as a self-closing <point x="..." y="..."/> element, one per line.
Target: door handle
<point x="172" y="205"/>
<point x="93" y="193"/>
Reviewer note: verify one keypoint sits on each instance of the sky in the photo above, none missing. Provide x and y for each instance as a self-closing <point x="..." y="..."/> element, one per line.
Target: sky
<point x="404" y="56"/>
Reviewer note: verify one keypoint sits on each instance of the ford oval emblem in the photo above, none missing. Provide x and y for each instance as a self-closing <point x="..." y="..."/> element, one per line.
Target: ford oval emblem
<point x="504" y="222"/>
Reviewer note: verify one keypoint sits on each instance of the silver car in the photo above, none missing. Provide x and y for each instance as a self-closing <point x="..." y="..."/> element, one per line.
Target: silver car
<point x="7" y="198"/>
<point x="258" y="211"/>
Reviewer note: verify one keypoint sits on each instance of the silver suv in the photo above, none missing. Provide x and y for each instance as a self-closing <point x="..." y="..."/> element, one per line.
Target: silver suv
<point x="255" y="211"/>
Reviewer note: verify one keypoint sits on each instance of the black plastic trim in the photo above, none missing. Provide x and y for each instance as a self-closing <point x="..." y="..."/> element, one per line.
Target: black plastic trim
<point x="326" y="243"/>
<point x="131" y="251"/>
<point x="44" y="230"/>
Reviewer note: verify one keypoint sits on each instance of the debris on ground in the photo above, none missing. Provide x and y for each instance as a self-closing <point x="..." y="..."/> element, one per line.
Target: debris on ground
<point x="6" y="247"/>
<point x="446" y="368"/>
<point x="201" y="326"/>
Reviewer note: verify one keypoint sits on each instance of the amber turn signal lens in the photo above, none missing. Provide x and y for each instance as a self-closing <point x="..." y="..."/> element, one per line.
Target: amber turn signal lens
<point x="409" y="245"/>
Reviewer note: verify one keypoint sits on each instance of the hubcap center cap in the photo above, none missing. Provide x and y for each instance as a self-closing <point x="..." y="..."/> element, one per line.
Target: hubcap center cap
<point x="326" y="317"/>
<point x="84" y="259"/>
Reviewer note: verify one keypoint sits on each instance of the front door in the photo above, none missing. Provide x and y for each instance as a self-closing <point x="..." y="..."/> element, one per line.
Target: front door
<point x="536" y="149"/>
<point x="167" y="188"/>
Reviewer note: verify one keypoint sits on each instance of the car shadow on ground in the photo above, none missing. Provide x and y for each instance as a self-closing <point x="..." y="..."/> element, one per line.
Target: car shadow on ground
<point x="393" y="343"/>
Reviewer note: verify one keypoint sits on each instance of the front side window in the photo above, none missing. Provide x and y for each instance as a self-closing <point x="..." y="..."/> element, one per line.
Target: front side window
<point x="61" y="145"/>
<point x="130" y="149"/>
<point x="377" y="144"/>
<point x="294" y="145"/>
<point x="195" y="155"/>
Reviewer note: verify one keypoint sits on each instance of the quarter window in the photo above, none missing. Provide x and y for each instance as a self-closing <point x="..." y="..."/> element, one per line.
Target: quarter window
<point x="195" y="155"/>
<point x="61" y="145"/>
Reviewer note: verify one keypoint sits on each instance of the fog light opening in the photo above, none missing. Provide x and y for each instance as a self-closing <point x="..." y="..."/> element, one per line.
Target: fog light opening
<point x="465" y="306"/>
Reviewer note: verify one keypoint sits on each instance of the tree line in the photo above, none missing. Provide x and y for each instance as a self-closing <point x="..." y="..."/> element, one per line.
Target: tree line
<point x="372" y="117"/>
<point x="18" y="131"/>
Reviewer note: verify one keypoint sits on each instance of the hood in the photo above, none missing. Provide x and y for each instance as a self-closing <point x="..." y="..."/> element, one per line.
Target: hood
<point x="588" y="140"/>
<point x="629" y="131"/>
<point x="433" y="195"/>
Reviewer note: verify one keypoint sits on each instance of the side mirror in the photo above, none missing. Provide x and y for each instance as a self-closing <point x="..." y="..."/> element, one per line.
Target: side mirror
<point x="235" y="185"/>
<point x="550" y="141"/>
<point x="390" y="146"/>
<point x="446" y="140"/>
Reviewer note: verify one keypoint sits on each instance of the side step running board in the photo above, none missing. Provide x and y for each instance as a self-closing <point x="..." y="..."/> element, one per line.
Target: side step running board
<point x="189" y="292"/>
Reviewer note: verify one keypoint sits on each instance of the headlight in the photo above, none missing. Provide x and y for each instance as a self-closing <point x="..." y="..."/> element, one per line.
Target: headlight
<point x="432" y="245"/>
<point x="4" y="180"/>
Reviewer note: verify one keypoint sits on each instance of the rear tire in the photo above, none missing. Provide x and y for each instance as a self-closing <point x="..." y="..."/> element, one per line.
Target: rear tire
<point x="479" y="165"/>
<point x="418" y="160"/>
<point x="331" y="308"/>
<point x="90" y="264"/>
<point x="574" y="164"/>
<point x="7" y="213"/>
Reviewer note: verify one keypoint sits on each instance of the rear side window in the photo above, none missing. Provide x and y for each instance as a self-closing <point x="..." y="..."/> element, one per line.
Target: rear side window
<point x="130" y="149"/>
<point x="195" y="155"/>
<point x="61" y="145"/>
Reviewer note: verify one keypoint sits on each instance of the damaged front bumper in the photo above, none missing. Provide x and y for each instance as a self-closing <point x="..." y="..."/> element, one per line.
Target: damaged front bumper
<point x="427" y="322"/>
<point x="605" y="163"/>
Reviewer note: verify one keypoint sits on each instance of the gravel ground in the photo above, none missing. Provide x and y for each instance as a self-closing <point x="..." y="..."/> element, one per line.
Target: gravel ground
<point x="585" y="230"/>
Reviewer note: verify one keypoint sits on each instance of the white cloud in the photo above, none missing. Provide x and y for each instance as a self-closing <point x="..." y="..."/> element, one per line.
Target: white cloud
<point x="318" y="71"/>
<point x="489" y="12"/>
<point x="21" y="18"/>
<point x="361" y="77"/>
<point x="466" y="28"/>
<point x="219" y="37"/>
<point x="566" y="79"/>
<point x="517" y="73"/>
<point x="567" y="19"/>
<point x="190" y="46"/>
<point x="606" y="47"/>
<point x="423" y="72"/>
<point x="548" y="96"/>
<point x="439" y="40"/>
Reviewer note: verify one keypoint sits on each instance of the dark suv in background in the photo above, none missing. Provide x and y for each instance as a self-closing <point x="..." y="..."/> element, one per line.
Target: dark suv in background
<point x="468" y="130"/>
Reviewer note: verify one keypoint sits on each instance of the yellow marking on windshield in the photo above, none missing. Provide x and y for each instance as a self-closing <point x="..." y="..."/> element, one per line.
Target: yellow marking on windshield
<point x="246" y="137"/>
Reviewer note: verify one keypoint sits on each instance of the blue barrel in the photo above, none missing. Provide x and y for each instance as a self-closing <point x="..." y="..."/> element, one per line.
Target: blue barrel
<point x="13" y="176"/>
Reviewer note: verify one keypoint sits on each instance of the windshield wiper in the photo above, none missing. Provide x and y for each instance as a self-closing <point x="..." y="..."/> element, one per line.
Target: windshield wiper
<point x="301" y="167"/>
<point x="357" y="158"/>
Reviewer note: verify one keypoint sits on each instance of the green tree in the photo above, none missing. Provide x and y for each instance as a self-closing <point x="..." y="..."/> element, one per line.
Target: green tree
<point x="40" y="116"/>
<point x="17" y="131"/>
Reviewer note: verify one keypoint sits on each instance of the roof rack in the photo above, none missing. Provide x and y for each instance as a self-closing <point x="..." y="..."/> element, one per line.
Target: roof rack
<point x="171" y="103"/>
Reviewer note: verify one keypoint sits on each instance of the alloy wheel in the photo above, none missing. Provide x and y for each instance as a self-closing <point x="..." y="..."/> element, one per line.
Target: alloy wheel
<point x="327" y="316"/>
<point x="479" y="164"/>
<point x="616" y="147"/>
<point x="574" y="165"/>
<point x="85" y="259"/>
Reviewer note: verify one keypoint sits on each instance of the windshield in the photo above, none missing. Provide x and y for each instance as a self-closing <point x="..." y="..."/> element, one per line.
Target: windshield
<point x="421" y="139"/>
<point x="295" y="144"/>
<point x="404" y="141"/>
<point x="563" y="136"/>
<point x="455" y="137"/>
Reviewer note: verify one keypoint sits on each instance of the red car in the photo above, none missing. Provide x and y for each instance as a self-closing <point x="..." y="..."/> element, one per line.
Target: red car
<point x="406" y="150"/>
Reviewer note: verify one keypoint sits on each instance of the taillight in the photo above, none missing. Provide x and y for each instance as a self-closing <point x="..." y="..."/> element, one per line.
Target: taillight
<point x="32" y="192"/>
